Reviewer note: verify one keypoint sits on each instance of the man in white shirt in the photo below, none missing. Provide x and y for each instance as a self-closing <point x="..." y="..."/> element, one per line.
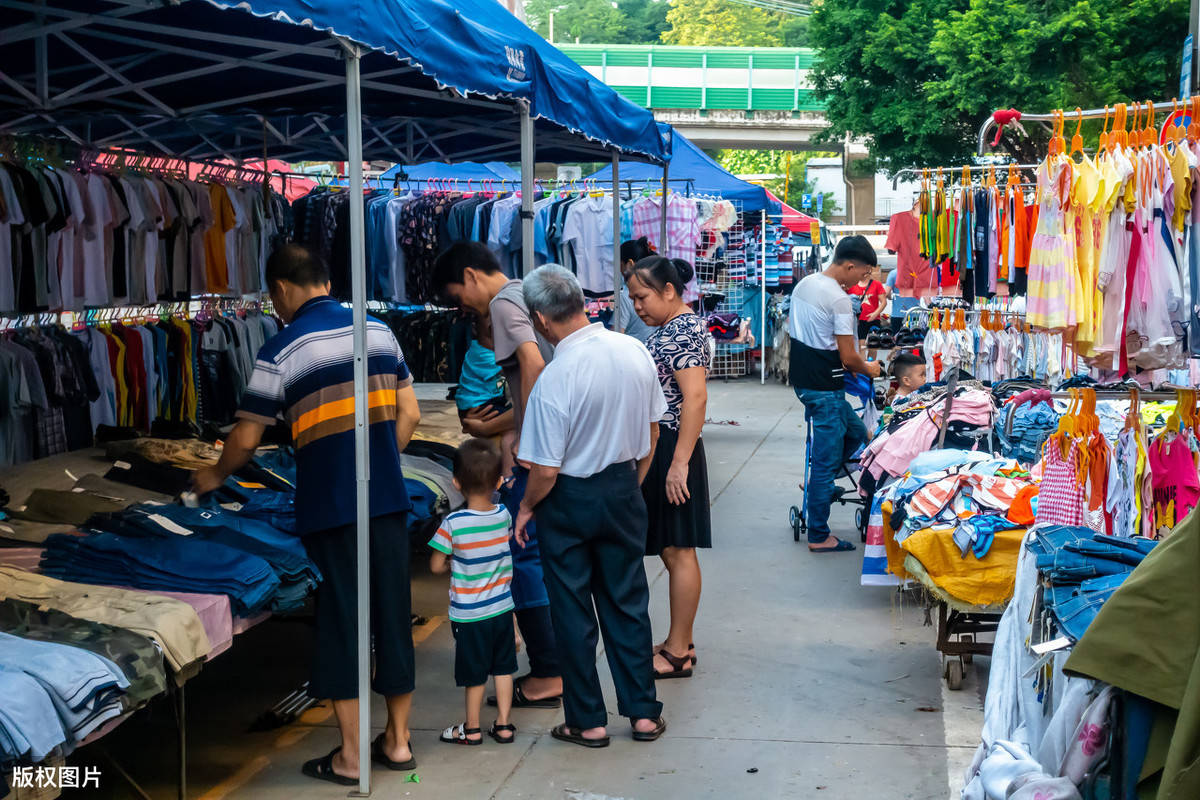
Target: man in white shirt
<point x="824" y="332"/>
<point x="590" y="430"/>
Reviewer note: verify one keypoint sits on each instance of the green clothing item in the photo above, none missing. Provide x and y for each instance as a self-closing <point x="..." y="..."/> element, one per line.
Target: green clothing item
<point x="65" y="507"/>
<point x="138" y="658"/>
<point x="1146" y="640"/>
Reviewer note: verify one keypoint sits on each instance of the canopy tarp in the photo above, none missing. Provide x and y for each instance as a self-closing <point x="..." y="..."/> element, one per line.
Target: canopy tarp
<point x="204" y="79"/>
<point x="794" y="220"/>
<point x="691" y="167"/>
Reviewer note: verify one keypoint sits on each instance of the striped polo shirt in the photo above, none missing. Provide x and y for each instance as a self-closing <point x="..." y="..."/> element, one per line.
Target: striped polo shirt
<point x="480" y="562"/>
<point x="305" y="374"/>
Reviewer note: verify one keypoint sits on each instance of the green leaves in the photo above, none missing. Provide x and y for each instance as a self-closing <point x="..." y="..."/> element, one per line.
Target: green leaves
<point x="916" y="79"/>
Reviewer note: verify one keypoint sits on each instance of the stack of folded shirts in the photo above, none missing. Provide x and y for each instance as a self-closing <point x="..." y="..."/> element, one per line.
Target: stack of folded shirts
<point x="174" y="564"/>
<point x="53" y="695"/>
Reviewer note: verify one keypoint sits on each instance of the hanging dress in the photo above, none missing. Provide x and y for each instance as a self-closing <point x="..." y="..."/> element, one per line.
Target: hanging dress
<point x="1050" y="259"/>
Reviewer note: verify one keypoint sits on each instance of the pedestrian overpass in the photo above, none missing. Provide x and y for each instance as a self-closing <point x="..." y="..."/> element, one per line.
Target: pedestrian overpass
<point x="744" y="98"/>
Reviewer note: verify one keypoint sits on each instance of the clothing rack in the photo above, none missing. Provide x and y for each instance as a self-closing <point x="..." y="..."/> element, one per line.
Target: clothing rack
<point x="1001" y="169"/>
<point x="1090" y="113"/>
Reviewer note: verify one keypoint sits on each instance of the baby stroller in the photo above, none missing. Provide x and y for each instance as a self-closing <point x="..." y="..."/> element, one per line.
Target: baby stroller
<point x="862" y="389"/>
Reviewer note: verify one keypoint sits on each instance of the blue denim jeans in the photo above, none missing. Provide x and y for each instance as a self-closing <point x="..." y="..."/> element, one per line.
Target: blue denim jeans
<point x="837" y="433"/>
<point x="1076" y="606"/>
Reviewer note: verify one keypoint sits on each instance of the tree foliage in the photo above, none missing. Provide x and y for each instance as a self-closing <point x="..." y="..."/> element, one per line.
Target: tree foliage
<point x="791" y="188"/>
<point x="591" y="21"/>
<point x="721" y="23"/>
<point x="916" y="78"/>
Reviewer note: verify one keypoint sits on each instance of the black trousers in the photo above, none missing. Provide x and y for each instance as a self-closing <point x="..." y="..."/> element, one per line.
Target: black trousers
<point x="593" y="538"/>
<point x="335" y="662"/>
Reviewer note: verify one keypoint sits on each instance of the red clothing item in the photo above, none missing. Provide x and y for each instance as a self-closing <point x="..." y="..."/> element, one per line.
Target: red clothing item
<point x="914" y="275"/>
<point x="872" y="298"/>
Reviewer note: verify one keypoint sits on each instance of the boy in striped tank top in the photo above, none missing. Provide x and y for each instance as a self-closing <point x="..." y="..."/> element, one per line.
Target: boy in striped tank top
<point x="473" y="545"/>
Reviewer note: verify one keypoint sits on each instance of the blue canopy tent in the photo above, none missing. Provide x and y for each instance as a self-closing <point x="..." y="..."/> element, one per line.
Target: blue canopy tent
<point x="397" y="80"/>
<point x="436" y="170"/>
<point x="691" y="166"/>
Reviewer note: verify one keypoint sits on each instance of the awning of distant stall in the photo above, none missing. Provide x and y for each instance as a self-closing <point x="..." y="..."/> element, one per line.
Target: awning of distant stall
<point x="691" y="168"/>
<point x="794" y="220"/>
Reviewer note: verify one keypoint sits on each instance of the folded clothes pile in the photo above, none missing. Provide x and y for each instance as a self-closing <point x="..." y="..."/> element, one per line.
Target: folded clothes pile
<point x="1024" y="424"/>
<point x="1083" y="570"/>
<point x="138" y="657"/>
<point x="177" y="564"/>
<point x="297" y="575"/>
<point x="173" y="625"/>
<point x="54" y="695"/>
<point x="724" y="326"/>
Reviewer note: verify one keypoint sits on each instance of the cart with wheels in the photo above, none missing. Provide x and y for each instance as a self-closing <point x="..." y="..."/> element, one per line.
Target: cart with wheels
<point x="958" y="640"/>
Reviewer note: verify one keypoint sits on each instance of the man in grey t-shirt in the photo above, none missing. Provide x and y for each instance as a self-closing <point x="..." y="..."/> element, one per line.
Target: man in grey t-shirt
<point x="468" y="274"/>
<point x="512" y="335"/>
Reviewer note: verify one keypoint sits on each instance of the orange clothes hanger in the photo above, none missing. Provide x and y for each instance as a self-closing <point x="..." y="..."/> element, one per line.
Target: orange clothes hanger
<point x="1119" y="137"/>
<point x="1103" y="145"/>
<point x="1193" y="129"/>
<point x="1134" y="131"/>
<point x="1077" y="139"/>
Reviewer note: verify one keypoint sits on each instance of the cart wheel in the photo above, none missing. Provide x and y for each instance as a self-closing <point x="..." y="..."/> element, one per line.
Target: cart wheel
<point x="954" y="674"/>
<point x="967" y="658"/>
<point x="796" y="521"/>
<point x="860" y="520"/>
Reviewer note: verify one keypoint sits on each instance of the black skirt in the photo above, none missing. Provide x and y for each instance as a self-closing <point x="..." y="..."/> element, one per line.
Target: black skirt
<point x="688" y="525"/>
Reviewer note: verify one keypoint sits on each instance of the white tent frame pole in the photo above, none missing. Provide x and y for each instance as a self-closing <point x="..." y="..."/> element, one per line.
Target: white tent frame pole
<point x="618" y="323"/>
<point x="362" y="455"/>
<point x="762" y="344"/>
<point x="527" y="168"/>
<point x="666" y="198"/>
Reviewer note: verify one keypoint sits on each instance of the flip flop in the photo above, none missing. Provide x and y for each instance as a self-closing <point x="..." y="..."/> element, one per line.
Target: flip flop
<point x="519" y="699"/>
<point x="496" y="728"/>
<point x="379" y="757"/>
<point x="322" y="769"/>
<point x="842" y="547"/>
<point x="660" y="725"/>
<point x="565" y="733"/>
<point x="679" y="667"/>
<point x="457" y="734"/>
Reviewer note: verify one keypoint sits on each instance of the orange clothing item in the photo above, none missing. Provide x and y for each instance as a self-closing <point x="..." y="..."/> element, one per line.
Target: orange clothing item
<point x="1024" y="235"/>
<point x="1021" y="510"/>
<point x="216" y="270"/>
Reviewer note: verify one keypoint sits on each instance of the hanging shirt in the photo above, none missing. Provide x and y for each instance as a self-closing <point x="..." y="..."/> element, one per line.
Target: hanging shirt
<point x="915" y="277"/>
<point x="589" y="231"/>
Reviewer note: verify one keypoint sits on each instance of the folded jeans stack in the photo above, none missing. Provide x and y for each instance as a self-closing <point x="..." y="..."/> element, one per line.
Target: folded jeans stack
<point x="84" y="691"/>
<point x="139" y="658"/>
<point x="172" y="564"/>
<point x="297" y="575"/>
<point x="1084" y="569"/>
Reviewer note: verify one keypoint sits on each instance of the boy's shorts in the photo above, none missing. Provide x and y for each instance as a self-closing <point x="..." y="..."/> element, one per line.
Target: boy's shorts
<point x="483" y="648"/>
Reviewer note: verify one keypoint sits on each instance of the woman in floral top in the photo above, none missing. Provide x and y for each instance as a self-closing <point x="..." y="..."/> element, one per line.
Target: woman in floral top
<point x="676" y="487"/>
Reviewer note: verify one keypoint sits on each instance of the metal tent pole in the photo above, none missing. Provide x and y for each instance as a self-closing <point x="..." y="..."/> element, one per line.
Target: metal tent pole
<point x="666" y="196"/>
<point x="527" y="167"/>
<point x="362" y="465"/>
<point x="762" y="342"/>
<point x="618" y="323"/>
<point x="763" y="286"/>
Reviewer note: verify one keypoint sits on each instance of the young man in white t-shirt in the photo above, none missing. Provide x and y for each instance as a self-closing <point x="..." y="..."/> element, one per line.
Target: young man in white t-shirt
<point x="824" y="336"/>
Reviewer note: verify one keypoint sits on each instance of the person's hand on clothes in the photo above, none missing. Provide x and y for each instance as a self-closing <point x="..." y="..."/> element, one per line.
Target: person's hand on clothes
<point x="677" y="490"/>
<point x="206" y="480"/>
<point x="473" y="421"/>
<point x="524" y="517"/>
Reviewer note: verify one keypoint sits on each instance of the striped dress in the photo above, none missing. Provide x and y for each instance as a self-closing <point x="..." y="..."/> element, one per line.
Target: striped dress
<point x="481" y="562"/>
<point x="1052" y="273"/>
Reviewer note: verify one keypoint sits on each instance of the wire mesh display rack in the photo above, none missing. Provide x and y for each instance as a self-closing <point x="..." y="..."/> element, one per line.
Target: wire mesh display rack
<point x="722" y="272"/>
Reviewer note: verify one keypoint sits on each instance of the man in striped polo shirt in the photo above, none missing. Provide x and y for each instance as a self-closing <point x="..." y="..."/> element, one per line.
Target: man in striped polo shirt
<point x="306" y="375"/>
